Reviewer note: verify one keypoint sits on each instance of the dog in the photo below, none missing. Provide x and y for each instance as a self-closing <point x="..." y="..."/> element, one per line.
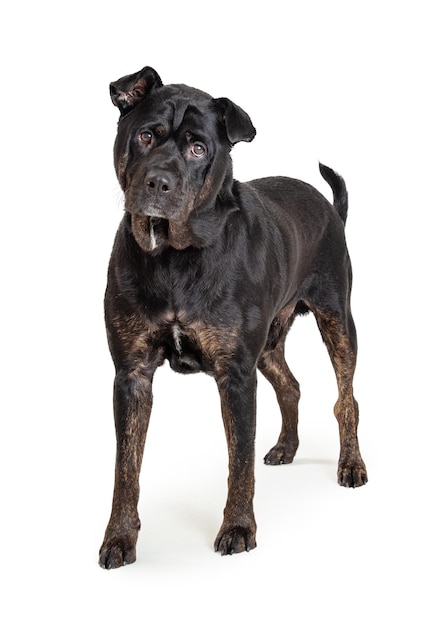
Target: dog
<point x="209" y="273"/>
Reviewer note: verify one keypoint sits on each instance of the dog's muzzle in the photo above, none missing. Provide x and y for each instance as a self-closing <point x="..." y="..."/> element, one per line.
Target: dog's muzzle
<point x="158" y="195"/>
<point x="159" y="191"/>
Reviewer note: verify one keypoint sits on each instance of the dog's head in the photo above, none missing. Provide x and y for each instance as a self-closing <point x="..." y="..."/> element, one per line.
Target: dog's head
<point x="172" y="159"/>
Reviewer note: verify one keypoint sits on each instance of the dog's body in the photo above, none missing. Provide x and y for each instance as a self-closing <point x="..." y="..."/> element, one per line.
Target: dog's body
<point x="210" y="273"/>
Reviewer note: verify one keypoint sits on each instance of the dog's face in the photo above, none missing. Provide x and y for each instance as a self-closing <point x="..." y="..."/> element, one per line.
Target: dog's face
<point x="172" y="155"/>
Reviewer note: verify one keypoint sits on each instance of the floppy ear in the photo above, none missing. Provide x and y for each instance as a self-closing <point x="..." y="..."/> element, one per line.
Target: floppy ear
<point x="237" y="123"/>
<point x="130" y="90"/>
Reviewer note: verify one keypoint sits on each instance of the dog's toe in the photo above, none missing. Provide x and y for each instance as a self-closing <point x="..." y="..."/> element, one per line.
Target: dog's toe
<point x="352" y="475"/>
<point x="235" y="540"/>
<point x="117" y="551"/>
<point x="281" y="454"/>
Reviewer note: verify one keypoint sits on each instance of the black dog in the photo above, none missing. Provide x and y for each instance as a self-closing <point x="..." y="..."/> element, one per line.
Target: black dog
<point x="210" y="273"/>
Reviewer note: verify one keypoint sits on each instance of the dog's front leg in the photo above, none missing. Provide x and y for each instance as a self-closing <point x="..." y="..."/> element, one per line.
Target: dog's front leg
<point x="132" y="408"/>
<point x="238" y="400"/>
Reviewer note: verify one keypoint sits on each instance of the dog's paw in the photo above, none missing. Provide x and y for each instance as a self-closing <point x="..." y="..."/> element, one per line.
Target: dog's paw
<point x="281" y="454"/>
<point x="235" y="539"/>
<point x="352" y="474"/>
<point x="118" y="550"/>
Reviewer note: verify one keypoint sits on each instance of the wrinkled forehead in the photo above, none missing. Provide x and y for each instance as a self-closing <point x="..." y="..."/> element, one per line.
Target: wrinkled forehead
<point x="175" y="106"/>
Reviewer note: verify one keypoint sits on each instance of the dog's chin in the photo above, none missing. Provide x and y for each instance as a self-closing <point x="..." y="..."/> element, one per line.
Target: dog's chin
<point x="149" y="232"/>
<point x="153" y="233"/>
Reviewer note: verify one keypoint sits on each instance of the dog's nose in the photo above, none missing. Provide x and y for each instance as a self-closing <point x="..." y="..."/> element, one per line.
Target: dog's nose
<point x="159" y="183"/>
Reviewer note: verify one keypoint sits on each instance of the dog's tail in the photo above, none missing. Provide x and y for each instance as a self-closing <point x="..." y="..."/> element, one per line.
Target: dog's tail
<point x="339" y="190"/>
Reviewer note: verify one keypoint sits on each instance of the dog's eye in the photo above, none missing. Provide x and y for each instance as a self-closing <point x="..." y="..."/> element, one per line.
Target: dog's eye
<point x="146" y="137"/>
<point x="198" y="149"/>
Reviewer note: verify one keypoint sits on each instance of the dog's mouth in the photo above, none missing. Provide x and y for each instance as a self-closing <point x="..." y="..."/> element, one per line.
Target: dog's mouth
<point x="155" y="233"/>
<point x="149" y="232"/>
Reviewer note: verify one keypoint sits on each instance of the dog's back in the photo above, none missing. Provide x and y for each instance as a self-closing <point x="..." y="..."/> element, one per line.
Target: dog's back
<point x="301" y="199"/>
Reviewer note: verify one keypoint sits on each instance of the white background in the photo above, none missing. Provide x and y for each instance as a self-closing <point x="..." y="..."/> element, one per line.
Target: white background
<point x="359" y="86"/>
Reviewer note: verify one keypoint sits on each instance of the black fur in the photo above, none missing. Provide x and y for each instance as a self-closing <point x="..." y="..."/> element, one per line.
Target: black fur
<point x="209" y="274"/>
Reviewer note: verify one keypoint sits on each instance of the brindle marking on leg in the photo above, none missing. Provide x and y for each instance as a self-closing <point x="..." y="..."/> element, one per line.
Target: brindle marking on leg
<point x="131" y="332"/>
<point x="119" y="545"/>
<point x="273" y="366"/>
<point x="343" y="353"/>
<point x="217" y="344"/>
<point x="238" y="530"/>
<point x="135" y="365"/>
<point x="237" y="390"/>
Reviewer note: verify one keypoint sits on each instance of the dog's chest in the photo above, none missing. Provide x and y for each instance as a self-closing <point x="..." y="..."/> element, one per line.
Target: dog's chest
<point x="185" y="349"/>
<point x="177" y="338"/>
<point x="179" y="318"/>
<point x="194" y="341"/>
<point x="179" y="288"/>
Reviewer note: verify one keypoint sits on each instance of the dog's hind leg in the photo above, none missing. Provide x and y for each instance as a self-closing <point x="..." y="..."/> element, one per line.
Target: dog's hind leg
<point x="339" y="335"/>
<point x="273" y="366"/>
